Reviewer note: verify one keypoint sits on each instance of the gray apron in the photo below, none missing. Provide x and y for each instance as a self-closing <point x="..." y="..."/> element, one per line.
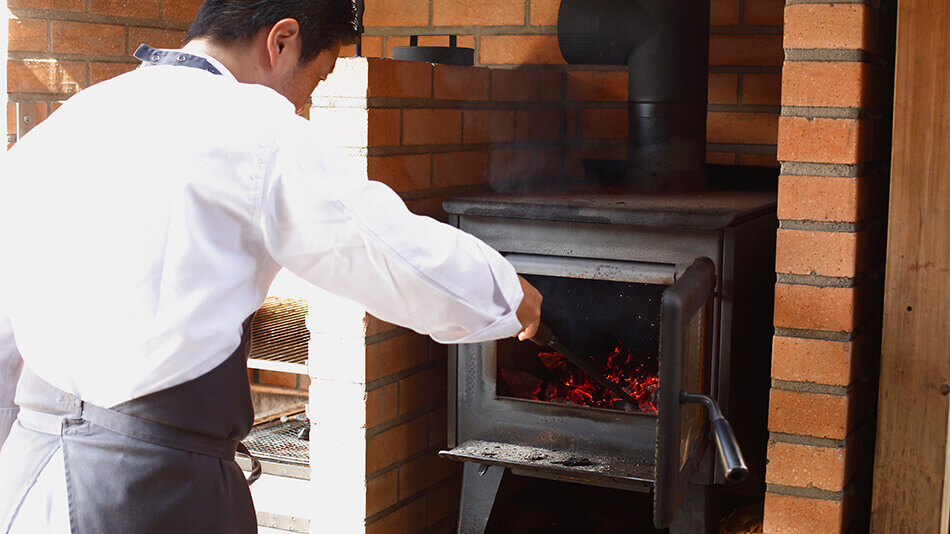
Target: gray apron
<point x="163" y="462"/>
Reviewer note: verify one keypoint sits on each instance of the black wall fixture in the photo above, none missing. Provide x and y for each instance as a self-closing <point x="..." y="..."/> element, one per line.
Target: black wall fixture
<point x="665" y="44"/>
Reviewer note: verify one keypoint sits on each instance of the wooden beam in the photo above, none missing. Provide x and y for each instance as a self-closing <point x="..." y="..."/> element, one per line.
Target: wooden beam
<point x="911" y="458"/>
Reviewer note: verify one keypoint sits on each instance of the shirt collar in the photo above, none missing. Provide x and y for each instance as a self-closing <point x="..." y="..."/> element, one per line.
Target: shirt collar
<point x="191" y="48"/>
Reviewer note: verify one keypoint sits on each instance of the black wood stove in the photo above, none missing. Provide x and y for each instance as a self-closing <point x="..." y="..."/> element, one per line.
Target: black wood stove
<point x="668" y="296"/>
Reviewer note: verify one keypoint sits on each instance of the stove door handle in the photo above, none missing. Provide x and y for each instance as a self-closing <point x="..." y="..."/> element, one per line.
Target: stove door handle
<point x="733" y="464"/>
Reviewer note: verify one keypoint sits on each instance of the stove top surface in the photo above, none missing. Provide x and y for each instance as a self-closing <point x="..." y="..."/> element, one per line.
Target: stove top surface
<point x="710" y="209"/>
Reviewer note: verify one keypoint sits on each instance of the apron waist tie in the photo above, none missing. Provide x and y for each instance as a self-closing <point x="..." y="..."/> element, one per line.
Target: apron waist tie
<point x="157" y="433"/>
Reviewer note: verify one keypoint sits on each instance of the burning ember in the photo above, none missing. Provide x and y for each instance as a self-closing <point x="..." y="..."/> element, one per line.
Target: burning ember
<point x="565" y="383"/>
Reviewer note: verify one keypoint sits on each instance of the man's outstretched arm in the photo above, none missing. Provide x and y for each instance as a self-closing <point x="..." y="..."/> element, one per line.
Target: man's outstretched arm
<point x="355" y="238"/>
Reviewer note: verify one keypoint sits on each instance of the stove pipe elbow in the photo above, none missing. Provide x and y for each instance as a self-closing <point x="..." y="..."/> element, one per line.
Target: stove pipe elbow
<point x="665" y="45"/>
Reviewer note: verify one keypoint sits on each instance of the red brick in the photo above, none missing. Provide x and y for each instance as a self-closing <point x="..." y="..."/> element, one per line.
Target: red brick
<point x="410" y="172"/>
<point x="393" y="41"/>
<point x="839" y="26"/>
<point x="180" y="10"/>
<point x="399" y="79"/>
<point x="723" y="88"/>
<point x="764" y="12"/>
<point x="539" y="125"/>
<point x="758" y="160"/>
<point x="461" y="83"/>
<point x="809" y="414"/>
<point x="396" y="444"/>
<point x="432" y="127"/>
<point x="275" y="378"/>
<point x="423" y="472"/>
<point x="515" y="85"/>
<point x="437" y="427"/>
<point x="27" y="35"/>
<point x="746" y="128"/>
<point x="409" y="519"/>
<point x="482" y="13"/>
<point x="815" y="308"/>
<point x="395" y="355"/>
<point x="422" y="390"/>
<point x="382" y="404"/>
<point x="100" y="72"/>
<point x="523" y="164"/>
<point x="762" y="89"/>
<point x="444" y="503"/>
<point x="798" y="515"/>
<point x="597" y="86"/>
<point x="818" y="198"/>
<point x="384" y="127"/>
<point x="49" y="5"/>
<point x="721" y="158"/>
<point x="382" y="492"/>
<point x="155" y="37"/>
<point x="45" y="76"/>
<point x="746" y="50"/>
<point x="86" y="38"/>
<point x="488" y="126"/>
<point x="824" y="140"/>
<point x="520" y="50"/>
<point x="455" y="169"/>
<point x="824" y="83"/>
<point x="373" y="325"/>
<point x="141" y="9"/>
<point x="821" y="253"/>
<point x="723" y="12"/>
<point x="372" y="47"/>
<point x="805" y="466"/>
<point x="605" y="124"/>
<point x="552" y="83"/>
<point x="396" y="13"/>
<point x="428" y="207"/>
<point x="813" y="360"/>
<point x="544" y="12"/>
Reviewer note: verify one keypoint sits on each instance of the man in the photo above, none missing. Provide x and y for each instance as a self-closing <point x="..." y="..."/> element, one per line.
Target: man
<point x="141" y="225"/>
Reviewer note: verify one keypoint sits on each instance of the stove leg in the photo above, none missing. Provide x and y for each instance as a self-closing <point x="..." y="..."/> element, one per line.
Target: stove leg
<point x="479" y="486"/>
<point x="699" y="513"/>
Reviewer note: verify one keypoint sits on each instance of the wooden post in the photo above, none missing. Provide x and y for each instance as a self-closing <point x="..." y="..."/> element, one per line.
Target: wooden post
<point x="911" y="479"/>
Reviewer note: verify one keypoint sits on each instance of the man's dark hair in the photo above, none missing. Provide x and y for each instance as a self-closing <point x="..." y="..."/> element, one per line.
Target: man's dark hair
<point x="323" y="23"/>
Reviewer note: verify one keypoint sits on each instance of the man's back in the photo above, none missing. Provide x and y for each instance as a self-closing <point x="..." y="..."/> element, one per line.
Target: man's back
<point x="128" y="230"/>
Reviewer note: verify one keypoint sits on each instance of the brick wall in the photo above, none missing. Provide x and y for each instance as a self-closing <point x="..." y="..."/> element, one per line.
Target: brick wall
<point x="745" y="62"/>
<point x="57" y="48"/>
<point x="834" y="146"/>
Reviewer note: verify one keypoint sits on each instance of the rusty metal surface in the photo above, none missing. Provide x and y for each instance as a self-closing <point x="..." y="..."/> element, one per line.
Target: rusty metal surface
<point x="279" y="335"/>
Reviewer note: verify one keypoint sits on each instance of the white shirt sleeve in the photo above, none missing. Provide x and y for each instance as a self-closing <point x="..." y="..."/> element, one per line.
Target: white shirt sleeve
<point x="10" y="367"/>
<point x="324" y="221"/>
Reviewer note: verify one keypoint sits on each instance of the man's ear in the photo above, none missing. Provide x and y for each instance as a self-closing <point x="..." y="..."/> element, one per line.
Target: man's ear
<point x="284" y="43"/>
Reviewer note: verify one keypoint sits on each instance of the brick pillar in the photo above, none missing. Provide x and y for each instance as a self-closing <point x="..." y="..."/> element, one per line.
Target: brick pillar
<point x="378" y="392"/>
<point x="833" y="147"/>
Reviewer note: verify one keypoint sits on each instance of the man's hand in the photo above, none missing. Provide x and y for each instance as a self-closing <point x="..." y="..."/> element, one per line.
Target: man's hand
<point x="529" y="312"/>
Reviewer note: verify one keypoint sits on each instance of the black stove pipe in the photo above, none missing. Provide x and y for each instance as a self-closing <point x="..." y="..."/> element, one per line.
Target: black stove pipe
<point x="665" y="44"/>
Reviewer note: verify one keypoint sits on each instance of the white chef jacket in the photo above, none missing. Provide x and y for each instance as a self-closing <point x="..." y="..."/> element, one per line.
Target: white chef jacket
<point x="144" y="220"/>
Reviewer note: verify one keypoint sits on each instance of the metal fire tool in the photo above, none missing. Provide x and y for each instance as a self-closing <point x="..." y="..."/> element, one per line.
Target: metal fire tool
<point x="545" y="338"/>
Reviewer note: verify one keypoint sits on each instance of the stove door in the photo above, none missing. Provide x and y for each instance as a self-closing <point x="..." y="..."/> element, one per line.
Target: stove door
<point x="685" y="350"/>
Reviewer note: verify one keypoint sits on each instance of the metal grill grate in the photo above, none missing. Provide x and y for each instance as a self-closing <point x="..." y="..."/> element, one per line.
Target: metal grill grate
<point x="278" y="441"/>
<point x="279" y="335"/>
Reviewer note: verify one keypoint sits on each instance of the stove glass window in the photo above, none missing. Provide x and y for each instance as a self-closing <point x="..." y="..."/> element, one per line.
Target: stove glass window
<point x="614" y="326"/>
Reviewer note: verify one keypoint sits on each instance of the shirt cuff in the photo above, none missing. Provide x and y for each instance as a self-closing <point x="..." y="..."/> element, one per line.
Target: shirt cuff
<point x="507" y="326"/>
